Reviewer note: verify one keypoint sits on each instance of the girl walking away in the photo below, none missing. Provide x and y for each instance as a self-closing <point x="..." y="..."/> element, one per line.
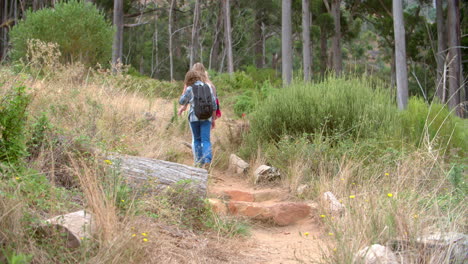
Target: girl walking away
<point x="202" y="116"/>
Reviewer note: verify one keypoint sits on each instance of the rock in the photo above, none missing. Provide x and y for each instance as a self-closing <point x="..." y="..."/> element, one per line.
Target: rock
<point x="281" y="214"/>
<point x="333" y="204"/>
<point x="76" y="226"/>
<point x="375" y="254"/>
<point x="267" y="195"/>
<point x="149" y="116"/>
<point x="288" y="213"/>
<point x="302" y="189"/>
<point x="237" y="165"/>
<point x="266" y="173"/>
<point x="218" y="206"/>
<point x="239" y="196"/>
<point x="449" y="247"/>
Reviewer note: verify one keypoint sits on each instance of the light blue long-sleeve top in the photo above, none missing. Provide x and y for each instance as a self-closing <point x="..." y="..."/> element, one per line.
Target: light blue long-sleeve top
<point x="187" y="98"/>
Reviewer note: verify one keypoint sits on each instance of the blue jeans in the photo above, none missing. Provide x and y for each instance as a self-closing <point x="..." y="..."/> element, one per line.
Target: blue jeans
<point x="201" y="145"/>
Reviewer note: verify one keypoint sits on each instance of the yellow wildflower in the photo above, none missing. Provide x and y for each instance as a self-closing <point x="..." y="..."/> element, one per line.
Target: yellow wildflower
<point x="415" y="216"/>
<point x="145" y="240"/>
<point x="123" y="201"/>
<point x="330" y="234"/>
<point x="133" y="235"/>
<point x="306" y="233"/>
<point x="389" y="194"/>
<point x="323" y="216"/>
<point x="352" y="197"/>
<point x="17" y="178"/>
<point x="108" y="162"/>
<point x="386" y="174"/>
<point x="144" y="234"/>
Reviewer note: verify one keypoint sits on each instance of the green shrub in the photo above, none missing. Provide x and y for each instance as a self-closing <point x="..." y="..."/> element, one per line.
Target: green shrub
<point x="433" y="124"/>
<point x="78" y="27"/>
<point x="12" y="125"/>
<point x="340" y="107"/>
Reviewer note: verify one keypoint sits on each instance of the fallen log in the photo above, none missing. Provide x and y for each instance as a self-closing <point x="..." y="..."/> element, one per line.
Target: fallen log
<point x="151" y="175"/>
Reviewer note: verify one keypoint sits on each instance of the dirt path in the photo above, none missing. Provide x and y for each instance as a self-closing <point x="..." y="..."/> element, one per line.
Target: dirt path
<point x="301" y="242"/>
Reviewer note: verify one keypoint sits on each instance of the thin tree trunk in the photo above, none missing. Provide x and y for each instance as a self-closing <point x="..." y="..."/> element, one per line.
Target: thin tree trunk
<point x="336" y="45"/>
<point x="400" y="55"/>
<point x="214" y="52"/>
<point x="441" y="50"/>
<point x="154" y="50"/>
<point x="454" y="55"/>
<point x="306" y="57"/>
<point x="118" y="37"/>
<point x="227" y="35"/>
<point x="264" y="38"/>
<point x="323" y="52"/>
<point x="194" y="46"/>
<point x="286" y="42"/>
<point x="171" y="62"/>
<point x="258" y="38"/>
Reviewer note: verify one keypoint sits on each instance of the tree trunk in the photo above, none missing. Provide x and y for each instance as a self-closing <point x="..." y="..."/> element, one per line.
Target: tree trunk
<point x="323" y="52"/>
<point x="264" y="39"/>
<point x="441" y="51"/>
<point x="171" y="61"/>
<point x="306" y="57"/>
<point x="286" y="42"/>
<point x="336" y="45"/>
<point x="454" y="56"/>
<point x="154" y="50"/>
<point x="194" y="46"/>
<point x="400" y="55"/>
<point x="227" y="36"/>
<point x="258" y="38"/>
<point x="214" y="52"/>
<point x="118" y="37"/>
<point x="4" y="32"/>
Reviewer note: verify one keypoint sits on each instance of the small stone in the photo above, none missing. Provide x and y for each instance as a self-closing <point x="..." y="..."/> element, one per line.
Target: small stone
<point x="237" y="165"/>
<point x="266" y="173"/>
<point x="302" y="189"/>
<point x="333" y="204"/>
<point x="375" y="254"/>
<point x="149" y="116"/>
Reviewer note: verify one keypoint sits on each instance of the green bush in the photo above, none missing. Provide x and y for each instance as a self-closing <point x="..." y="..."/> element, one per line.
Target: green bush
<point x="78" y="27"/>
<point x="343" y="108"/>
<point x="12" y="125"/>
<point x="433" y="124"/>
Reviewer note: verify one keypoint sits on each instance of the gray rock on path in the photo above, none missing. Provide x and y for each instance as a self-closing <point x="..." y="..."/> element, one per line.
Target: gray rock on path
<point x="375" y="254"/>
<point x="237" y="165"/>
<point x="77" y="226"/>
<point x="153" y="175"/>
<point x="266" y="173"/>
<point x="333" y="204"/>
<point x="449" y="247"/>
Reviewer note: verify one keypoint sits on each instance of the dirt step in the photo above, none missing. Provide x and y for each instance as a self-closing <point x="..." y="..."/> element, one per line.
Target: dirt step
<point x="255" y="196"/>
<point x="282" y="213"/>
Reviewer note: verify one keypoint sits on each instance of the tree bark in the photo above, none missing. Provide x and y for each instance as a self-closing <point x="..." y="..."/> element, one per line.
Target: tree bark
<point x="258" y="38"/>
<point x="454" y="56"/>
<point x="286" y="42"/>
<point x="195" y="27"/>
<point x="306" y="54"/>
<point x="118" y="37"/>
<point x="214" y="52"/>
<point x="159" y="174"/>
<point x="227" y="36"/>
<point x="441" y="51"/>
<point x="400" y="55"/>
<point x="323" y="52"/>
<point x="336" y="45"/>
<point x="171" y="61"/>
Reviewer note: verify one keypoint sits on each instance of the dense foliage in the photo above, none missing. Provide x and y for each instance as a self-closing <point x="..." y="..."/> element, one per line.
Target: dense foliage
<point x="78" y="27"/>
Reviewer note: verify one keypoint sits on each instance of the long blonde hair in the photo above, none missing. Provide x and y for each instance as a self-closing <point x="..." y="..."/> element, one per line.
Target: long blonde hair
<point x="198" y="67"/>
<point x="191" y="77"/>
